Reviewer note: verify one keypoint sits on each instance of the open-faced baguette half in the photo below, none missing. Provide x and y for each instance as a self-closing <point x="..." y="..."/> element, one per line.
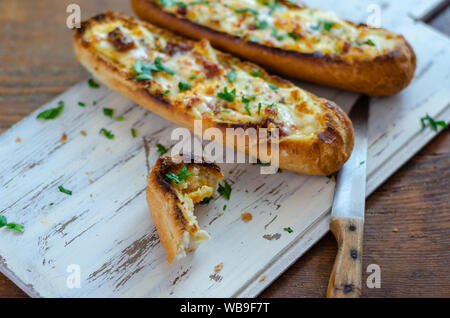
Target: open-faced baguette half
<point x="173" y="188"/>
<point x="293" y="40"/>
<point x="184" y="80"/>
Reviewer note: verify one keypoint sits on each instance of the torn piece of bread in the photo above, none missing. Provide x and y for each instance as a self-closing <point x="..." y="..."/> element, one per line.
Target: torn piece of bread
<point x="186" y="81"/>
<point x="174" y="187"/>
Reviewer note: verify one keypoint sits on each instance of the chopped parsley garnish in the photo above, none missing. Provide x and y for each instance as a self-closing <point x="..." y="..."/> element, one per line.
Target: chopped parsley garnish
<point x="244" y="10"/>
<point x="293" y="36"/>
<point x="13" y="226"/>
<point x="226" y="111"/>
<point x="181" y="176"/>
<point x="247" y="105"/>
<point x="165" y="92"/>
<point x="432" y="123"/>
<point x="52" y="113"/>
<point x="94" y="103"/>
<point x="63" y="190"/>
<point x="120" y="118"/>
<point x="81" y="104"/>
<point x="261" y="25"/>
<point x="368" y="42"/>
<point x="259" y="109"/>
<point x="108" y="134"/>
<point x="93" y="84"/>
<point x="3" y="221"/>
<point x="144" y="70"/>
<point x="161" y="67"/>
<point x="161" y="149"/>
<point x="288" y="229"/>
<point x="274" y="31"/>
<point x="224" y="190"/>
<point x="273" y="87"/>
<point x="327" y="25"/>
<point x="193" y="77"/>
<point x="257" y="72"/>
<point x="224" y="207"/>
<point x="108" y="112"/>
<point x="226" y="95"/>
<point x="183" y="86"/>
<point x="133" y="132"/>
<point x="231" y="76"/>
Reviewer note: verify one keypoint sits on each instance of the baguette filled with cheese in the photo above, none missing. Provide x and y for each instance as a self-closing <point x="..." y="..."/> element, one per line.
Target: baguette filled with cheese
<point x="174" y="187"/>
<point x="294" y="40"/>
<point x="184" y="81"/>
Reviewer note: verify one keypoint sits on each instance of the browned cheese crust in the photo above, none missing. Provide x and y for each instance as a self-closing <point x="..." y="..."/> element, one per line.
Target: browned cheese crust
<point x="164" y="203"/>
<point x="383" y="75"/>
<point x="320" y="154"/>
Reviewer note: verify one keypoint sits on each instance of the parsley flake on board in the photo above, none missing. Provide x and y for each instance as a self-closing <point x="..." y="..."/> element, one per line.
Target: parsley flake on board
<point x="432" y="123"/>
<point x="226" y="95"/>
<point x="161" y="149"/>
<point x="288" y="229"/>
<point x="51" y="113"/>
<point x="92" y="83"/>
<point x="224" y="190"/>
<point x="107" y="133"/>
<point x="13" y="226"/>
<point x="63" y="190"/>
<point x="133" y="132"/>
<point x="120" y="118"/>
<point x="108" y="112"/>
<point x="81" y="104"/>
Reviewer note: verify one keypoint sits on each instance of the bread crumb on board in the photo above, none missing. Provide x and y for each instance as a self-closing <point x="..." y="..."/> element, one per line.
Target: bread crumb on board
<point x="83" y="133"/>
<point x="18" y="139"/>
<point x="262" y="278"/>
<point x="91" y="180"/>
<point x="395" y="230"/>
<point x="218" y="267"/>
<point x="246" y="216"/>
<point x="219" y="213"/>
<point x="63" y="138"/>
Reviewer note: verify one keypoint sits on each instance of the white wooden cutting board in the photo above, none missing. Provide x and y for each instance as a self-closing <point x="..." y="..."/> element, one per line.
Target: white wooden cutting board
<point x="105" y="228"/>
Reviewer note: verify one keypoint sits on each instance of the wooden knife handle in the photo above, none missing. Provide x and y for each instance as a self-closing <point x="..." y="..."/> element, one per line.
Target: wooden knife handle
<point x="345" y="279"/>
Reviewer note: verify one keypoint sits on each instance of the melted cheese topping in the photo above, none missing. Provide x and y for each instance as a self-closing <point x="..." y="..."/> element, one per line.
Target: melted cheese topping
<point x="287" y="26"/>
<point x="212" y="88"/>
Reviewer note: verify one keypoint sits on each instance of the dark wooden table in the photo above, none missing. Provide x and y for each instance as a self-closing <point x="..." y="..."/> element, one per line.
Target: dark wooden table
<point x="407" y="229"/>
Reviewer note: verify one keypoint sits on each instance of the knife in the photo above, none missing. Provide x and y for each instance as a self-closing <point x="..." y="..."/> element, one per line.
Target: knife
<point x="347" y="214"/>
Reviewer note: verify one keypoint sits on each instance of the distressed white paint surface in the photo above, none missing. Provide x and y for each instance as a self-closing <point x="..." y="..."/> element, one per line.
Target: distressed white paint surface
<point x="111" y="234"/>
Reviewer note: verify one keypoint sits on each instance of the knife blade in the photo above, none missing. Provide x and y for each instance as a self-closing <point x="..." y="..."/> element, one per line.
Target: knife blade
<point x="347" y="214"/>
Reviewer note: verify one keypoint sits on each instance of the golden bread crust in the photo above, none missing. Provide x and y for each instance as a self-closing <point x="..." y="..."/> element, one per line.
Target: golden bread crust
<point x="320" y="154"/>
<point x="383" y="75"/>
